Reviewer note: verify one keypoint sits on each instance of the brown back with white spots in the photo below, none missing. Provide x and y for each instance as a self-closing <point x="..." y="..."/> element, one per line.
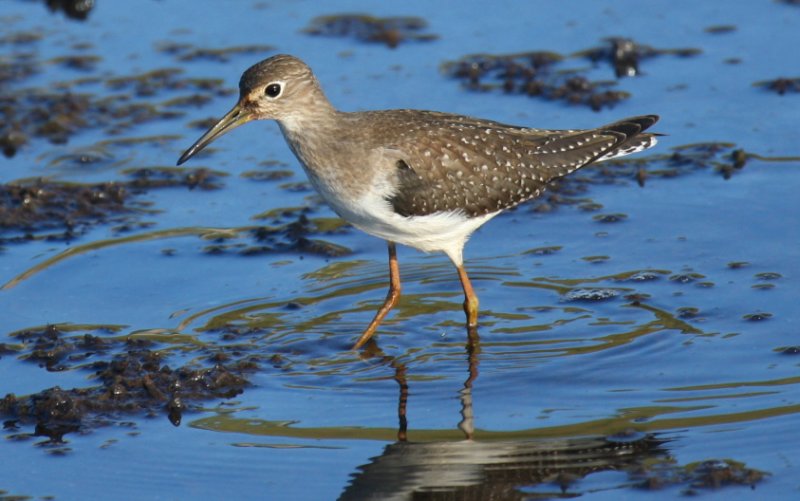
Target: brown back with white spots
<point x="451" y="162"/>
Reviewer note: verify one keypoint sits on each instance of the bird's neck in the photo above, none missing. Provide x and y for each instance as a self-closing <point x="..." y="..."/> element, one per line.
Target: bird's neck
<point x="310" y="133"/>
<point x="313" y="115"/>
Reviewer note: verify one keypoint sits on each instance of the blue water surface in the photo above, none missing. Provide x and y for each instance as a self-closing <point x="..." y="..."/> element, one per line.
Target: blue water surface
<point x="715" y="384"/>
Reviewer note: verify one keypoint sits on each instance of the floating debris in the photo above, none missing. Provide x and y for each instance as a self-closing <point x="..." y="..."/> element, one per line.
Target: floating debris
<point x="286" y="236"/>
<point x="686" y="278"/>
<point x="391" y="31"/>
<point x="713" y="155"/>
<point x="643" y="276"/>
<point x="592" y="294"/>
<point x="27" y="209"/>
<point x="687" y="312"/>
<point x="624" y="54"/>
<point x="544" y="251"/>
<point x="780" y="85"/>
<point x="147" y="178"/>
<point x="722" y="158"/>
<point x="190" y="52"/>
<point x="54" y="210"/>
<point x="11" y="141"/>
<point x="610" y="218"/>
<point x="532" y="74"/>
<point x="709" y="474"/>
<point x="720" y="29"/>
<point x="757" y="317"/>
<point x="86" y="63"/>
<point x="596" y="259"/>
<point x="130" y="376"/>
<point x="270" y="175"/>
<point x="545" y="75"/>
<point x="56" y="113"/>
<point x="637" y="298"/>
<point x="72" y="9"/>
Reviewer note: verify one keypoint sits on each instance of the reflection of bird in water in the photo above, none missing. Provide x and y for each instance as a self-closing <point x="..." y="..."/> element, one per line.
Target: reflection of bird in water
<point x="483" y="469"/>
<point x="420" y="178"/>
<point x="487" y="470"/>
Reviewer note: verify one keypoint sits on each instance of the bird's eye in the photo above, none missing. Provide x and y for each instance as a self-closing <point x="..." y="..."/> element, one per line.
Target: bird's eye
<point x="273" y="90"/>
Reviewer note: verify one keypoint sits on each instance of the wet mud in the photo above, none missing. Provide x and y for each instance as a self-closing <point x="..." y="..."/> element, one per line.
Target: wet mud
<point x="63" y="211"/>
<point x="130" y="376"/>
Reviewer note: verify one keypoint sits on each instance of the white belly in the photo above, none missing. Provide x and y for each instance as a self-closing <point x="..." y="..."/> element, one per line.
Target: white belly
<point x="371" y="212"/>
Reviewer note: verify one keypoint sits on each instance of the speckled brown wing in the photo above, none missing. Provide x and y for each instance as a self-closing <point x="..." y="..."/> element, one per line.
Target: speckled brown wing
<point x="479" y="167"/>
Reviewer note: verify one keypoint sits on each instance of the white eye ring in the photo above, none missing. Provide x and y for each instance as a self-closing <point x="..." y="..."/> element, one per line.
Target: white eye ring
<point x="273" y="90"/>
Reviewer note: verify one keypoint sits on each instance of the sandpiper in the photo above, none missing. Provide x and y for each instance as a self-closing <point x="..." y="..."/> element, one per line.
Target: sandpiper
<point x="420" y="178"/>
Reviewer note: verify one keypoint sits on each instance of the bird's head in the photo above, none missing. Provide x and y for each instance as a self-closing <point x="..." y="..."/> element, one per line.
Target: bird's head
<point x="281" y="88"/>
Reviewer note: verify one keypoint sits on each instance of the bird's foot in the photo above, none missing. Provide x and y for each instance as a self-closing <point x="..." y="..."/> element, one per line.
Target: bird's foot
<point x="471" y="310"/>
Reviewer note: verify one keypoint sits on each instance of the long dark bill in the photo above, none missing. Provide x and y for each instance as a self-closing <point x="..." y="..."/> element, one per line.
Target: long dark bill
<point x="230" y="121"/>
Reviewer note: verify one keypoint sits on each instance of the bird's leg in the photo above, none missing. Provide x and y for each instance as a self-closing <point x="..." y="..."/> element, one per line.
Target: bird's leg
<point x="391" y="298"/>
<point x="470" y="299"/>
